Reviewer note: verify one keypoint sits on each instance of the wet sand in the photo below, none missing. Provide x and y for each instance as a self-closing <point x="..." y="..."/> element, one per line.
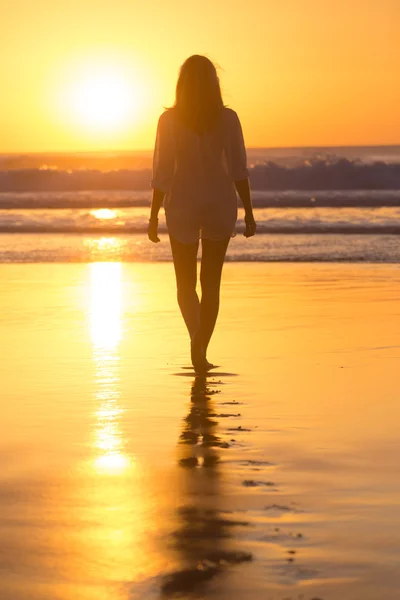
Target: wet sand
<point x="123" y="476"/>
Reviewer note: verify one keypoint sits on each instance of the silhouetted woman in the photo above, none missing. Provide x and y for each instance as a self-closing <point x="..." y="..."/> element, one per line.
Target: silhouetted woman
<point x="199" y="163"/>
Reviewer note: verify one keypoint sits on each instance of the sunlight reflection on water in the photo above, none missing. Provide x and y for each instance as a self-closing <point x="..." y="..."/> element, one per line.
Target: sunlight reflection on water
<point x="106" y="332"/>
<point x="104" y="213"/>
<point x="104" y="248"/>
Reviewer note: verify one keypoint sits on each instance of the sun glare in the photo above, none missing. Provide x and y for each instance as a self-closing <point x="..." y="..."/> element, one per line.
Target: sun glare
<point x="104" y="213"/>
<point x="106" y="305"/>
<point x="105" y="99"/>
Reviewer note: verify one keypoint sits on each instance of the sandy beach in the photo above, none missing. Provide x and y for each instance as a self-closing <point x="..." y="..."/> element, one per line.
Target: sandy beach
<point x="123" y="476"/>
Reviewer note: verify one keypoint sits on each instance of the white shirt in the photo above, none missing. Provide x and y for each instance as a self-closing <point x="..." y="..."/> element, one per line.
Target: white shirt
<point x="197" y="174"/>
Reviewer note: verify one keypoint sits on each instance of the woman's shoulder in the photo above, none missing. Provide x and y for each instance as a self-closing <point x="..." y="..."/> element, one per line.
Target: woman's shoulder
<point x="229" y="112"/>
<point x="230" y="115"/>
<point x="165" y="118"/>
<point x="167" y="114"/>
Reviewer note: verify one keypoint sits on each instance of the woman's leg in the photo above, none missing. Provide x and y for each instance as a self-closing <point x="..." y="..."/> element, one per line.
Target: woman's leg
<point x="185" y="264"/>
<point x="212" y="261"/>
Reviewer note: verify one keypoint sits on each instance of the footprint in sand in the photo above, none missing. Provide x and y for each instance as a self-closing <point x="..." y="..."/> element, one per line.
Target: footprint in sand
<point x="277" y="535"/>
<point x="188" y="580"/>
<point x="233" y="402"/>
<point x="240" y="428"/>
<point x="257" y="462"/>
<point x="255" y="465"/>
<point x="279" y="509"/>
<point x="226" y="415"/>
<point x="253" y="483"/>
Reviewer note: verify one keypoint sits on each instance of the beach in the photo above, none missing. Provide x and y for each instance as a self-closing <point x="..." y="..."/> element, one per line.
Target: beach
<point x="124" y="476"/>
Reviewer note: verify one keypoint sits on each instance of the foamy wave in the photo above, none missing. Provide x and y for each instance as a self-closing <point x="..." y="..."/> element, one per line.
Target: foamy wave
<point x="319" y="174"/>
<point x="136" y="248"/>
<point x="269" y="221"/>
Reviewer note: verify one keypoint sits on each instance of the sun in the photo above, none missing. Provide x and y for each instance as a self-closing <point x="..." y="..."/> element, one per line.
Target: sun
<point x="105" y="99"/>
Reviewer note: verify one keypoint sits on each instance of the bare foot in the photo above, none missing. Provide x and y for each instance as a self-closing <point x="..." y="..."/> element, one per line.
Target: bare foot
<point x="210" y="365"/>
<point x="197" y="353"/>
<point x="203" y="365"/>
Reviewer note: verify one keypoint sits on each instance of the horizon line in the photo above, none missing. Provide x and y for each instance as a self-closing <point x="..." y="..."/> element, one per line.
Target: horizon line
<point x="105" y="151"/>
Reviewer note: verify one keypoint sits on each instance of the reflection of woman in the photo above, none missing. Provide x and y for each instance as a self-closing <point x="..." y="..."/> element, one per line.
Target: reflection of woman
<point x="204" y="539"/>
<point x="200" y="538"/>
<point x="198" y="436"/>
<point x="199" y="160"/>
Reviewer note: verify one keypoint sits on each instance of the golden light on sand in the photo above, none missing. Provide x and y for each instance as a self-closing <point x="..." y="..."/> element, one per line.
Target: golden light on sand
<point x="104" y="213"/>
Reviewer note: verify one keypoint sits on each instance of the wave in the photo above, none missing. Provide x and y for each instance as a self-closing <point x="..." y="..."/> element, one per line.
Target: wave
<point x="317" y="220"/>
<point x="312" y="174"/>
<point x="136" y="248"/>
<point x="328" y="174"/>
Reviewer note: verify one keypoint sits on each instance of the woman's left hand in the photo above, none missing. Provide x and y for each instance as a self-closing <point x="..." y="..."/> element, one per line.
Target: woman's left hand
<point x="251" y="226"/>
<point x="152" y="231"/>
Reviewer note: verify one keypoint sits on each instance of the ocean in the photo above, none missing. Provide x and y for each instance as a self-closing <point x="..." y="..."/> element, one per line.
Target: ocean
<point x="311" y="204"/>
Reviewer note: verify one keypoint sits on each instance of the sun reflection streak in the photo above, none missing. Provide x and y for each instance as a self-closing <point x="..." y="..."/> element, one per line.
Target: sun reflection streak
<point x="106" y="332"/>
<point x="104" y="213"/>
<point x="104" y="248"/>
<point x="105" y="307"/>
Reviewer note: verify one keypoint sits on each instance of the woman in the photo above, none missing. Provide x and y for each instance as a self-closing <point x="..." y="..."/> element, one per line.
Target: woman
<point x="199" y="163"/>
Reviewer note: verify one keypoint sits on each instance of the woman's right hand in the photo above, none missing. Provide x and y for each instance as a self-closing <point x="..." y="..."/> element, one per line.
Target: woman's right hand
<point x="251" y="225"/>
<point x="152" y="231"/>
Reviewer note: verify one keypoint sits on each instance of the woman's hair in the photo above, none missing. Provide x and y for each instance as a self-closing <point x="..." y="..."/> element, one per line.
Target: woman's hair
<point x="198" y="99"/>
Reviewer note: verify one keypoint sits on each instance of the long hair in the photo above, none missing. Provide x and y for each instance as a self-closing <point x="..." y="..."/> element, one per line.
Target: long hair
<point x="198" y="98"/>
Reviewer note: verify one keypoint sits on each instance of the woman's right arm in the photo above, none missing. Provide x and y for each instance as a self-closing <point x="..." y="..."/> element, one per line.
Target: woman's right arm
<point x="163" y="171"/>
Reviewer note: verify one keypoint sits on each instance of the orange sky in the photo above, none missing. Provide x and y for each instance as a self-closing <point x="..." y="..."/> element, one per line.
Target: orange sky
<point x="94" y="75"/>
